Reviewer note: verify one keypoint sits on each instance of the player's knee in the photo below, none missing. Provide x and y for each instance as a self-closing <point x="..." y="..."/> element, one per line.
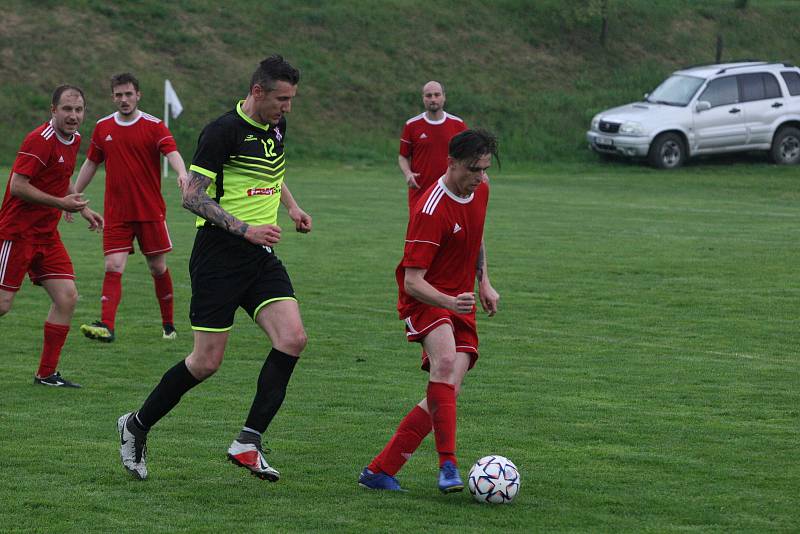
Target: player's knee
<point x="114" y="265"/>
<point x="157" y="268"/>
<point x="292" y="342"/>
<point x="444" y="365"/>
<point x="5" y="306"/>
<point x="67" y="300"/>
<point x="203" y="365"/>
<point x="204" y="370"/>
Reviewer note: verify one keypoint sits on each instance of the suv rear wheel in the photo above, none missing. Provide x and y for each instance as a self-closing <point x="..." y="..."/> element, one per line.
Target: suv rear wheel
<point x="667" y="151"/>
<point x="786" y="146"/>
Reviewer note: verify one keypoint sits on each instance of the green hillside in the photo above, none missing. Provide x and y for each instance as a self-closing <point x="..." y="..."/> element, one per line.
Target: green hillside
<point x="534" y="71"/>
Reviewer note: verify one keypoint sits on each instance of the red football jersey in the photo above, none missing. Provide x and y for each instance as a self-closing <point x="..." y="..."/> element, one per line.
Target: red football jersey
<point x="444" y="237"/>
<point x="133" y="178"/>
<point x="426" y="142"/>
<point x="48" y="160"/>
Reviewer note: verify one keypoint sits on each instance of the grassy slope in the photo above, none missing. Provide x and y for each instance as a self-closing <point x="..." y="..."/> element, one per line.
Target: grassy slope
<point x="533" y="71"/>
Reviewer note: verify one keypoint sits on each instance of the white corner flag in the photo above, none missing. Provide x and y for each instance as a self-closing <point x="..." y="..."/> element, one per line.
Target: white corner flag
<point x="171" y="100"/>
<point x="172" y="106"/>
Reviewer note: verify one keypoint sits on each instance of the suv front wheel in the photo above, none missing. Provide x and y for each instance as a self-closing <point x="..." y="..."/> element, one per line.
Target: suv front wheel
<point x="786" y="146"/>
<point x="667" y="151"/>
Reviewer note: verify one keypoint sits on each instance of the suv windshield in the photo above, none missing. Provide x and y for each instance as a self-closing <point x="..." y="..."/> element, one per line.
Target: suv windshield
<point x="676" y="90"/>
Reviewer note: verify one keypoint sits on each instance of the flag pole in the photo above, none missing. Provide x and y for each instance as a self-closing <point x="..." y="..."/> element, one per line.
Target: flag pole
<point x="165" y="170"/>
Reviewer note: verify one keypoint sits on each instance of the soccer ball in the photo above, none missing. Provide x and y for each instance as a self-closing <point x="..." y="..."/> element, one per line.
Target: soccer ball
<point x="494" y="479"/>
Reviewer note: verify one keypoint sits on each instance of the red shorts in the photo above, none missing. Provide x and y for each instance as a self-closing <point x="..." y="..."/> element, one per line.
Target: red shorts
<point x="48" y="261"/>
<point x="153" y="237"/>
<point x="425" y="318"/>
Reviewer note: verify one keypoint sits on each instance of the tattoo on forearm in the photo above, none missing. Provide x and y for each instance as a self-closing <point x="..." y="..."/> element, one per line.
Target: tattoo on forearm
<point x="196" y="200"/>
<point x="479" y="267"/>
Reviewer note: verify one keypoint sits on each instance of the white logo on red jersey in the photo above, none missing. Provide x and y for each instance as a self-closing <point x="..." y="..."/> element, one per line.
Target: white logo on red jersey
<point x="108" y="138"/>
<point x="61" y="159"/>
<point x="423" y="136"/>
<point x="456" y="228"/>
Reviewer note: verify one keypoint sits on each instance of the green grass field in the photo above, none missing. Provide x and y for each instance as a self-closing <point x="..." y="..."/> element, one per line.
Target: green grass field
<point x="642" y="372"/>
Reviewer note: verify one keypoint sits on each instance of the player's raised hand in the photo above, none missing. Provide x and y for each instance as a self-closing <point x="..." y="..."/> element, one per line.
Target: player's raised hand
<point x="265" y="234"/>
<point x="73" y="202"/>
<point x="96" y="221"/>
<point x="464" y="302"/>
<point x="302" y="220"/>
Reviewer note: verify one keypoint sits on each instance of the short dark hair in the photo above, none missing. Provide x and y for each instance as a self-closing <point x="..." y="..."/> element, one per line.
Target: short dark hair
<point x="471" y="145"/>
<point x="122" y="79"/>
<point x="272" y="69"/>
<point x="61" y="89"/>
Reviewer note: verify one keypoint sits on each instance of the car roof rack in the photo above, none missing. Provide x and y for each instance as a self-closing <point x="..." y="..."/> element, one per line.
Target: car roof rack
<point x="750" y="63"/>
<point x="745" y="60"/>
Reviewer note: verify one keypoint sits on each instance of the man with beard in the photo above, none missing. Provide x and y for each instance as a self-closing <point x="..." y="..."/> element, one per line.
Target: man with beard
<point x="423" y="144"/>
<point x="38" y="191"/>
<point x="130" y="142"/>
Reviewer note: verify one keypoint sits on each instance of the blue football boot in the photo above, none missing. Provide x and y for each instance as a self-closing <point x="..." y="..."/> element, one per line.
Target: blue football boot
<point x="449" y="479"/>
<point x="378" y="481"/>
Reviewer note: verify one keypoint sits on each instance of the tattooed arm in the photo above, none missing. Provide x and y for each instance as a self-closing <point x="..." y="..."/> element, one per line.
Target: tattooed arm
<point x="486" y="293"/>
<point x="196" y="200"/>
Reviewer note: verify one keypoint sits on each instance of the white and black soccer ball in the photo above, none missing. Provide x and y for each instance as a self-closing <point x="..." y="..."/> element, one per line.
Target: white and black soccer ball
<point x="494" y="479"/>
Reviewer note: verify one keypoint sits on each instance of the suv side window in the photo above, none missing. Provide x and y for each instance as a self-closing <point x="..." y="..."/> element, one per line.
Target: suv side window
<point x="721" y="91"/>
<point x="771" y="87"/>
<point x="752" y="87"/>
<point x="792" y="80"/>
<point x="759" y="86"/>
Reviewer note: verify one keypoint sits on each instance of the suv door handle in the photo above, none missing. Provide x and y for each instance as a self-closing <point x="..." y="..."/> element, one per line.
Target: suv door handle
<point x="734" y="110"/>
<point x="777" y="105"/>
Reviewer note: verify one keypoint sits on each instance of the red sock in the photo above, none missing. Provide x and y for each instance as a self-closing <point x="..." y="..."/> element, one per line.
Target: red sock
<point x="442" y="404"/>
<point x="54" y="337"/>
<point x="163" y="283"/>
<point x="412" y="430"/>
<point x="112" y="293"/>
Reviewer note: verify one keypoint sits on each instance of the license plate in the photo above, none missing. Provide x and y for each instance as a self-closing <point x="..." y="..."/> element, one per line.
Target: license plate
<point x="606" y="141"/>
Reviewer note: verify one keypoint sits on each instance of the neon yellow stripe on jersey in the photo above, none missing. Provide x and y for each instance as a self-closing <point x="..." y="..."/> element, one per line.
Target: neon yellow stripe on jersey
<point x="259" y="163"/>
<point x="204" y="172"/>
<point x="246" y="117"/>
<point x="249" y="196"/>
<point x="249" y="185"/>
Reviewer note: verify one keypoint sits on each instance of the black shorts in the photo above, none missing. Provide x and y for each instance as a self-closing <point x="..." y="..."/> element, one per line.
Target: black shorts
<point x="228" y="272"/>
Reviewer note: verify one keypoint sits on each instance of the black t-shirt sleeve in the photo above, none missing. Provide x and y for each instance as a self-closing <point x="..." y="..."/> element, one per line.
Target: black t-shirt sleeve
<point x="213" y="148"/>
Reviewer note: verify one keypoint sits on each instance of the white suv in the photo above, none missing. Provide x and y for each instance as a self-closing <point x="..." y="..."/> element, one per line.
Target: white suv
<point x="729" y="107"/>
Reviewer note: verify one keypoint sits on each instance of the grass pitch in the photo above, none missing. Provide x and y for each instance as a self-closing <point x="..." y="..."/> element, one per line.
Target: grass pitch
<point x="642" y="371"/>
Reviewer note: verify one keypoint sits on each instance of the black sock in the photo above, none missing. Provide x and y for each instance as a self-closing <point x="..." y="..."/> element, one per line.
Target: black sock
<point x="166" y="395"/>
<point x="271" y="390"/>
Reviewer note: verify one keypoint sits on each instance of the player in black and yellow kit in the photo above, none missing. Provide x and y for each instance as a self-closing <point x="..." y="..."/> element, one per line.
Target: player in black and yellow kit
<point x="235" y="184"/>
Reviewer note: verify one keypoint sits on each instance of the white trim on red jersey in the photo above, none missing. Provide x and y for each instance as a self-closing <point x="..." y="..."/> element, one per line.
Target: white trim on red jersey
<point x="109" y="116"/>
<point x="5" y="252"/>
<point x="34" y="155"/>
<point x="151" y="118"/>
<point x="436" y="194"/>
<point x="422" y="241"/>
<point x="424" y="116"/>
<point x="117" y="118"/>
<point x="48" y="132"/>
